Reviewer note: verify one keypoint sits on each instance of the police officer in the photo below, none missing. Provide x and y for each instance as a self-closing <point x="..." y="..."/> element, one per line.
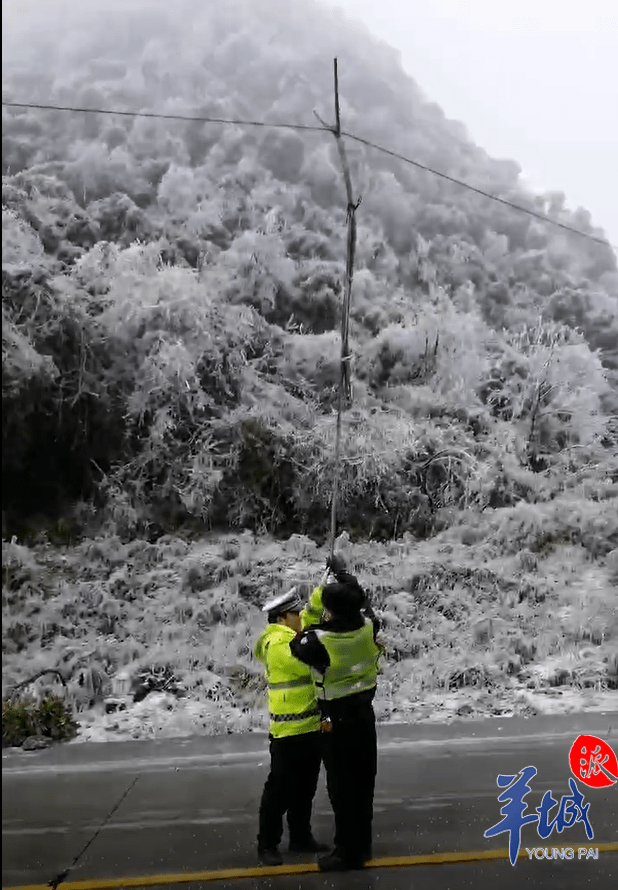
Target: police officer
<point x="339" y="644"/>
<point x="295" y="750"/>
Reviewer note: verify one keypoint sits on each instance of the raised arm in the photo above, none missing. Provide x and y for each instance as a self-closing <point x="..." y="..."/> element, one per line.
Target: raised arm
<point x="312" y="613"/>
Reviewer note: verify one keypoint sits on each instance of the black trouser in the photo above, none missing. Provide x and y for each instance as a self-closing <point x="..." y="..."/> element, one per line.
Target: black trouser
<point x="351" y="759"/>
<point x="290" y="788"/>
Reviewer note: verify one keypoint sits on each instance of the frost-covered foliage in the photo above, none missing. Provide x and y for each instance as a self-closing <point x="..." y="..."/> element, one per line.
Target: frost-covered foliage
<point x="171" y="309"/>
<point x="20" y="243"/>
<point x="164" y="281"/>
<point x="172" y="291"/>
<point x="504" y="612"/>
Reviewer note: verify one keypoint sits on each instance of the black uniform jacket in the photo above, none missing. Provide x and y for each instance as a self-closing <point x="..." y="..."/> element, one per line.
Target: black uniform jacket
<point x="307" y="648"/>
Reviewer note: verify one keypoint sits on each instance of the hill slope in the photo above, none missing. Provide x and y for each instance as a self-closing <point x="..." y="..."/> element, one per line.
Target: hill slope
<point x="171" y="305"/>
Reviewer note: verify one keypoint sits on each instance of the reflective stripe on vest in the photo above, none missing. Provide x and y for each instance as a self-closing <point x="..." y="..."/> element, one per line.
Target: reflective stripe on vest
<point x="287" y="718"/>
<point x="341" y="678"/>
<point x="342" y="673"/>
<point x="344" y="689"/>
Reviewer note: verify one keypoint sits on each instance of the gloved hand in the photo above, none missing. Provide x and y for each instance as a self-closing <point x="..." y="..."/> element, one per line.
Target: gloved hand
<point x="336" y="564"/>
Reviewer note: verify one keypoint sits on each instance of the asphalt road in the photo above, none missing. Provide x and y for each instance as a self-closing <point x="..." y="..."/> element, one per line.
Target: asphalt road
<point x="193" y="809"/>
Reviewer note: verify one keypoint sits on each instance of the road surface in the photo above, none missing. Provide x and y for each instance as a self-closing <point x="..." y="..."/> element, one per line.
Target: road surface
<point x="192" y="806"/>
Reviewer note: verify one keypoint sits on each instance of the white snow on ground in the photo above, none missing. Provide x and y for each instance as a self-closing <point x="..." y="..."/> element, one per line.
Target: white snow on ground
<point x="162" y="716"/>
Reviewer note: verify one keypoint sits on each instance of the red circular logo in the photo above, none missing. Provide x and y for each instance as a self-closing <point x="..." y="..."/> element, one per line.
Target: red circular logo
<point x="593" y="762"/>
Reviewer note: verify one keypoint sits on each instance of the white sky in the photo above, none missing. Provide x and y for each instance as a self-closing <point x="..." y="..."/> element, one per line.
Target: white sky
<point x="532" y="80"/>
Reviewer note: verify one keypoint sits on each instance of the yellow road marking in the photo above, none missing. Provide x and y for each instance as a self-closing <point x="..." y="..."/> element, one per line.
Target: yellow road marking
<point x="227" y="874"/>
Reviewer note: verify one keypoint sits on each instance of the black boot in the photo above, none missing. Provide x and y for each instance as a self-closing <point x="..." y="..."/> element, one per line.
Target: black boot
<point x="336" y="861"/>
<point x="339" y="861"/>
<point x="270" y="857"/>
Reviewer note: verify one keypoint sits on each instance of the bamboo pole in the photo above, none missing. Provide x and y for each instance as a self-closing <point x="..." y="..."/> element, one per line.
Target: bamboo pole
<point x="345" y="390"/>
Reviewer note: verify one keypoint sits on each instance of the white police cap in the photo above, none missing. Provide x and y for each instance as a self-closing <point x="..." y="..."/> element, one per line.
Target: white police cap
<point x="285" y="602"/>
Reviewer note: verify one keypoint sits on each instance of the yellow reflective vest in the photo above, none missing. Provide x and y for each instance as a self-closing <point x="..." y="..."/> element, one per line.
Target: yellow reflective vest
<point x="353" y="665"/>
<point x="291" y="694"/>
<point x="353" y="654"/>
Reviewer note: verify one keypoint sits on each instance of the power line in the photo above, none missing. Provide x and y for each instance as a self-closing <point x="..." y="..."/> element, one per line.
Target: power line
<point x="472" y="188"/>
<point x="321" y="129"/>
<point x="168" y="117"/>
